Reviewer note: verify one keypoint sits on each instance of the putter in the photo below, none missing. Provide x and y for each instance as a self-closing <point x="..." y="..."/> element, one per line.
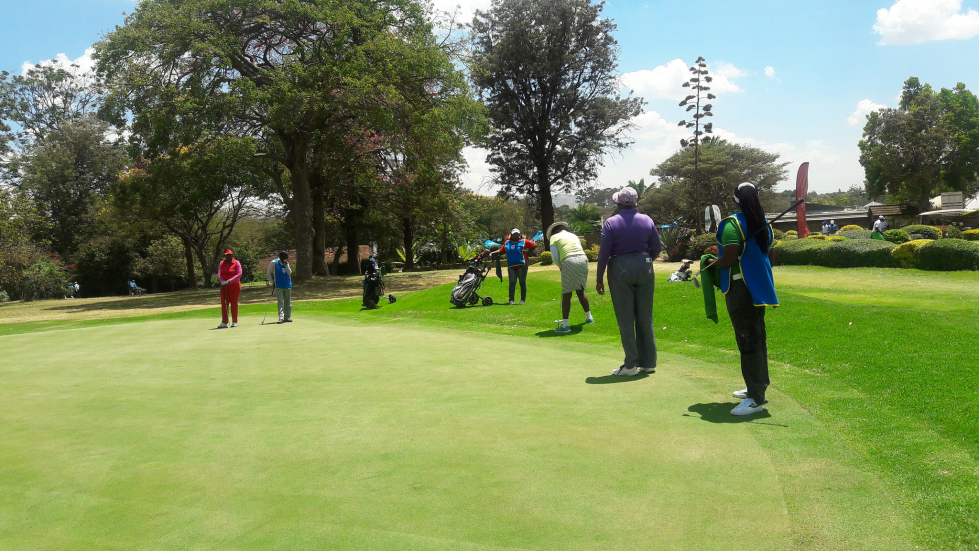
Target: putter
<point x="696" y="282"/>
<point x="268" y="304"/>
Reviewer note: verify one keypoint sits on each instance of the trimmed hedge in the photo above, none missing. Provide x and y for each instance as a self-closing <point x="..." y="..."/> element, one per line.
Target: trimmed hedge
<point x="799" y="252"/>
<point x="897" y="236"/>
<point x="907" y="253"/>
<point x="948" y="255"/>
<point x="859" y="253"/>
<point x="545" y="259"/>
<point x="970" y="235"/>
<point x="779" y="234"/>
<point x="791" y="233"/>
<point x="858" y="233"/>
<point x="917" y="231"/>
<point x="952" y="232"/>
<point x="850" y="227"/>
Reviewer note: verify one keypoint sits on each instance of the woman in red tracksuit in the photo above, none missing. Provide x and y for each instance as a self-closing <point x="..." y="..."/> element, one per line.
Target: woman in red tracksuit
<point x="229" y="274"/>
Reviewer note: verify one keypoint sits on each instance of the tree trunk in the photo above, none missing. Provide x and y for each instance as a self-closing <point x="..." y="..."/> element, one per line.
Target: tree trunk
<point x="301" y="214"/>
<point x="336" y="259"/>
<point x="189" y="255"/>
<point x="350" y="222"/>
<point x="409" y="240"/>
<point x="546" y="206"/>
<point x="205" y="266"/>
<point x="319" y="235"/>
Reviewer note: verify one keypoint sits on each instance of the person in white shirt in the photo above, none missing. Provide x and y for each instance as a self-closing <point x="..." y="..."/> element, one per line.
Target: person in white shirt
<point x="880" y="225"/>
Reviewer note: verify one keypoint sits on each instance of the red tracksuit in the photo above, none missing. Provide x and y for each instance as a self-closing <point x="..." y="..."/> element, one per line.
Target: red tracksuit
<point x="230" y="291"/>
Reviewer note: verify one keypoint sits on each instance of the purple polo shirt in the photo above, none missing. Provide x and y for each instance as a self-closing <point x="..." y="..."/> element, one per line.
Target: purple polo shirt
<point x="629" y="232"/>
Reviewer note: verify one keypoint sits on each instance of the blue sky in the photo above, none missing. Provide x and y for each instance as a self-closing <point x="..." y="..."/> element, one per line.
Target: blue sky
<point x="793" y="77"/>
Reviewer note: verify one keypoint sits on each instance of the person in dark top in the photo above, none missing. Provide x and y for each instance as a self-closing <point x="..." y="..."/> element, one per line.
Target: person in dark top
<point x="630" y="243"/>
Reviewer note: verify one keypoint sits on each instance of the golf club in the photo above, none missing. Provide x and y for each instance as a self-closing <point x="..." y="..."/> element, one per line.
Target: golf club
<point x="696" y="282"/>
<point x="269" y="303"/>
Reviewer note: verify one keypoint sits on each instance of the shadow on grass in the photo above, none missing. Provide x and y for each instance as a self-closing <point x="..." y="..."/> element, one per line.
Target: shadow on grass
<point x="575" y="329"/>
<point x="612" y="379"/>
<point x="720" y="412"/>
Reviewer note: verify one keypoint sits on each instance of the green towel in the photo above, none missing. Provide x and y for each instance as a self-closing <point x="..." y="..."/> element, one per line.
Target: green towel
<point x="877" y="235"/>
<point x="708" y="280"/>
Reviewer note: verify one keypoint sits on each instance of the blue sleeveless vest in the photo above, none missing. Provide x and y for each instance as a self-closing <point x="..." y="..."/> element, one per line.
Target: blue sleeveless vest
<point x="282" y="280"/>
<point x="756" y="269"/>
<point x="514" y="253"/>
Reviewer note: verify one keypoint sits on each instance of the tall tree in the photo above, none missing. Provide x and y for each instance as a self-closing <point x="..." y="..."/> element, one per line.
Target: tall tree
<point x="928" y="144"/>
<point x="547" y="70"/>
<point x="699" y="83"/>
<point x="721" y="166"/>
<point x="282" y="70"/>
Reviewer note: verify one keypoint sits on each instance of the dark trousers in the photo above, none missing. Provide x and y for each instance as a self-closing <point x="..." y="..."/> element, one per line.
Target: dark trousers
<point x="749" y="332"/>
<point x="632" y="282"/>
<point x="518" y="273"/>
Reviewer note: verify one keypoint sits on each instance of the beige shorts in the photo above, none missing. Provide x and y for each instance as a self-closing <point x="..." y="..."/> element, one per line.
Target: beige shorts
<point x="574" y="273"/>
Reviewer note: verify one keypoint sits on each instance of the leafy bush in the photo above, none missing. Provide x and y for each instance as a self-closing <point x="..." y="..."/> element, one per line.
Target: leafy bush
<point x="917" y="231"/>
<point x="907" y="253"/>
<point x="675" y="241"/>
<point x="791" y="233"/>
<point x="951" y="232"/>
<point x="858" y="233"/>
<point x="43" y="279"/>
<point x="797" y="252"/>
<point x="949" y="254"/>
<point x="592" y="253"/>
<point x="897" y="236"/>
<point x="851" y="227"/>
<point x="546" y="260"/>
<point x="779" y="234"/>
<point x="859" y="253"/>
<point x="818" y="236"/>
<point x="971" y="235"/>
<point x="835" y="238"/>
<point x="4" y="297"/>
<point x="701" y="245"/>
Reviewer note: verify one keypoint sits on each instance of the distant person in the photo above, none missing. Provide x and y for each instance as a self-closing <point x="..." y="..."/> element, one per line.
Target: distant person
<point x="78" y="290"/>
<point x="229" y="275"/>
<point x="280" y="274"/>
<point x="516" y="249"/>
<point x="825" y="230"/>
<point x="630" y="244"/>
<point x="833" y="227"/>
<point x="569" y="256"/>
<point x="880" y="225"/>
<point x="745" y="275"/>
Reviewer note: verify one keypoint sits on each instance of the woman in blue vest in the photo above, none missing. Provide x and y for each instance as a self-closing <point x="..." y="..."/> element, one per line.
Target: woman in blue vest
<point x="280" y="274"/>
<point x="516" y="249"/>
<point x="745" y="274"/>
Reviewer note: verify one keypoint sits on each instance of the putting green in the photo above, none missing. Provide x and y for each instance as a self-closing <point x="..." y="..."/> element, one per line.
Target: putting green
<point x="330" y="434"/>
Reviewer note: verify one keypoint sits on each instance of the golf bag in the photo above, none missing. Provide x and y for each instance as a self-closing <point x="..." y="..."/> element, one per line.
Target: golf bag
<point x="374" y="286"/>
<point x="465" y="292"/>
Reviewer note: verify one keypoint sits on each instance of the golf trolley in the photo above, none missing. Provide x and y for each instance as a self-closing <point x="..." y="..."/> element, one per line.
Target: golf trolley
<point x="465" y="292"/>
<point x="374" y="286"/>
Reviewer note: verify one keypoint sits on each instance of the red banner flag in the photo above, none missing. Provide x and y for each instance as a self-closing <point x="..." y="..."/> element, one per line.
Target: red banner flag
<point x="801" y="189"/>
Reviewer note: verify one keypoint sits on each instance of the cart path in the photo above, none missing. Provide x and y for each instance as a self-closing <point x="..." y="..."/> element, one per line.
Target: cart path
<point x="336" y="434"/>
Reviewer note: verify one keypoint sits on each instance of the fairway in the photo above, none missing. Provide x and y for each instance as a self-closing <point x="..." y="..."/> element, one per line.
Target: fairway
<point x="344" y="434"/>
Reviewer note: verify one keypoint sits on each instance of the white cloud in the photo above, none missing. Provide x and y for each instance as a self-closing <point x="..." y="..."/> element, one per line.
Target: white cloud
<point x="917" y="21"/>
<point x="85" y="62"/>
<point x="465" y="7"/>
<point x="770" y="72"/>
<point x="665" y="81"/>
<point x="864" y="108"/>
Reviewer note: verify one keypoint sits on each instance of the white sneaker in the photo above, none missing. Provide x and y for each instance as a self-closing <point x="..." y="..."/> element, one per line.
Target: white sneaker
<point x="747" y="407"/>
<point x="740" y="394"/>
<point x="590" y="320"/>
<point x="522" y="302"/>
<point x="626" y="372"/>
<point x="235" y="324"/>
<point x="648" y="369"/>
<point x="512" y="303"/>
<point x="223" y="325"/>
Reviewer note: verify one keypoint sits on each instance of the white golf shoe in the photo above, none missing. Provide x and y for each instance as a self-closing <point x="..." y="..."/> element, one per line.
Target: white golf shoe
<point x="223" y="325"/>
<point x="522" y="302"/>
<point x="626" y="371"/>
<point x="235" y="324"/>
<point x="648" y="369"/>
<point x="747" y="407"/>
<point x="740" y="394"/>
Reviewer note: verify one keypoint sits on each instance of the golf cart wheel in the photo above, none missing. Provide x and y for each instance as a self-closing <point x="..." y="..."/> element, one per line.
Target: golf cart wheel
<point x="473" y="300"/>
<point x="392" y="299"/>
<point x="487" y="301"/>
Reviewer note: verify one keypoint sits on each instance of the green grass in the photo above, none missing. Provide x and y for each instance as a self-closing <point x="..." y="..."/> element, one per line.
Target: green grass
<point x="422" y="426"/>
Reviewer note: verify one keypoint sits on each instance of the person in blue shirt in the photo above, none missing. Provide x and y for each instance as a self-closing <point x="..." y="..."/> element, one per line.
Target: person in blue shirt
<point x="280" y="274"/>
<point x="516" y="249"/>
<point x="745" y="275"/>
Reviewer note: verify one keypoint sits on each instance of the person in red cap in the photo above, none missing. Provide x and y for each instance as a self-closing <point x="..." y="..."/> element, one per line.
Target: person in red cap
<point x="229" y="274"/>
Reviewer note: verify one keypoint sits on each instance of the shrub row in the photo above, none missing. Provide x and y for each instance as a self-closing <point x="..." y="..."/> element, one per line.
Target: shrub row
<point x="971" y="235"/>
<point x="907" y="253"/>
<point x="949" y="254"/>
<point x="897" y="236"/>
<point x="917" y="231"/>
<point x="848" y="253"/>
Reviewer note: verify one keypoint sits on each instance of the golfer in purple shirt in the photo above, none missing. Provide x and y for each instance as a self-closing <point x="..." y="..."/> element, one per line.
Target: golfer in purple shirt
<point x="630" y="243"/>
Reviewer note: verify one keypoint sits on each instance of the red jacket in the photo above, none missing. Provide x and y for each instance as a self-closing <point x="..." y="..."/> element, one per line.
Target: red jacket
<point x="229" y="272"/>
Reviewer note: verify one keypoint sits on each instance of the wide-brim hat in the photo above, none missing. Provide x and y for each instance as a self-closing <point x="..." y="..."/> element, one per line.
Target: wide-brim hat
<point x="550" y="229"/>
